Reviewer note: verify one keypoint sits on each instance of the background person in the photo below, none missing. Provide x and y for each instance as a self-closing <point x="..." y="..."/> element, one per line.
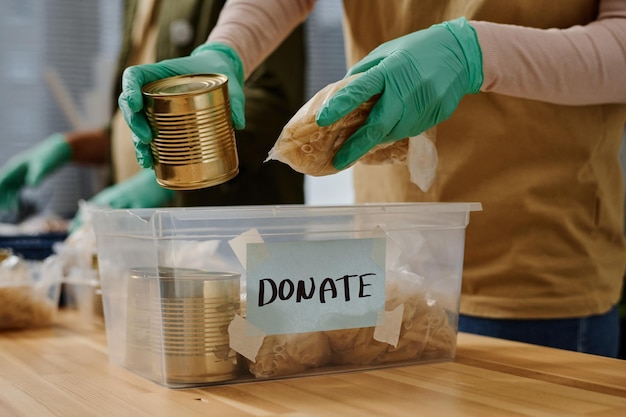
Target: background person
<point x="156" y="30"/>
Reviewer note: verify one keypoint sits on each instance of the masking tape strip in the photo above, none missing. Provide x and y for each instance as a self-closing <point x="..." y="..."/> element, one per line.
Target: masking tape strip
<point x="239" y="245"/>
<point x="245" y="338"/>
<point x="387" y="329"/>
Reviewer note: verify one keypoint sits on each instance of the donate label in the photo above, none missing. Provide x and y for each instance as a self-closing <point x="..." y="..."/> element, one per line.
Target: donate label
<point x="307" y="286"/>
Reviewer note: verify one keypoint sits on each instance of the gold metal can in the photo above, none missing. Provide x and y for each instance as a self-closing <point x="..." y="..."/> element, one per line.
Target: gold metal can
<point x="193" y="142"/>
<point x="178" y="322"/>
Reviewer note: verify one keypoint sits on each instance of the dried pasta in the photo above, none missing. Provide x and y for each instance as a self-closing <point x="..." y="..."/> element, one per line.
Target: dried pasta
<point x="425" y="333"/>
<point x="355" y="346"/>
<point x="289" y="354"/>
<point x="310" y="149"/>
<point x="21" y="308"/>
<point x="388" y="153"/>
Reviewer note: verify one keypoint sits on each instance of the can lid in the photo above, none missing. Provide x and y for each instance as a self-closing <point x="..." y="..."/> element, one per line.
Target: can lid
<point x="181" y="273"/>
<point x="185" y="85"/>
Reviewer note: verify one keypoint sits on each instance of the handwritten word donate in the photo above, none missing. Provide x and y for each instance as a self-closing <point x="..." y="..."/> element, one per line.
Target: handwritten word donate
<point x="310" y="285"/>
<point x="287" y="289"/>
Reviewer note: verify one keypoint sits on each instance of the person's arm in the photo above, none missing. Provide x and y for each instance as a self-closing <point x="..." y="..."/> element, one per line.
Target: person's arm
<point x="575" y="66"/>
<point x="32" y="166"/>
<point x="421" y="77"/>
<point x="89" y="147"/>
<point x="255" y="28"/>
<point x="246" y="32"/>
<point x="138" y="191"/>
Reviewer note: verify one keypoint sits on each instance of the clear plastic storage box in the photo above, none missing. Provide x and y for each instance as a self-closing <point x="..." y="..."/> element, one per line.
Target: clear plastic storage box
<point x="217" y="295"/>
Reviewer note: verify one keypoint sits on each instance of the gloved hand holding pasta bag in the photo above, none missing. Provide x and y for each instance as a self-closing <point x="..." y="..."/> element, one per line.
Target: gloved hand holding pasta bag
<point x="400" y="90"/>
<point x="309" y="148"/>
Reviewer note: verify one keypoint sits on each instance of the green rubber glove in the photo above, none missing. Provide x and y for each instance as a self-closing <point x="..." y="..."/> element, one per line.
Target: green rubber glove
<point x="421" y="78"/>
<point x="30" y="167"/>
<point x="139" y="191"/>
<point x="208" y="58"/>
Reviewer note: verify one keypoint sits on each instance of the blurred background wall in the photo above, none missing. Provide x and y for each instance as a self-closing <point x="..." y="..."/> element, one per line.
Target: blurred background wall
<point x="56" y="50"/>
<point x="57" y="61"/>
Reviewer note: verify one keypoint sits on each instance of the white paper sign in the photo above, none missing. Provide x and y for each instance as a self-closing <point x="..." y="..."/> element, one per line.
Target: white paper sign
<point x="307" y="286"/>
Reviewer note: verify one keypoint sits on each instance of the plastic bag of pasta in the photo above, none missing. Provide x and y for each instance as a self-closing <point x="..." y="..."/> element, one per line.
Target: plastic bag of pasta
<point x="289" y="354"/>
<point x="310" y="149"/>
<point x="25" y="301"/>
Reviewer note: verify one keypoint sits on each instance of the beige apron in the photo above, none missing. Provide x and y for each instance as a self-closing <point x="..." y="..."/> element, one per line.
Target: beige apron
<point x="143" y="48"/>
<point x="549" y="242"/>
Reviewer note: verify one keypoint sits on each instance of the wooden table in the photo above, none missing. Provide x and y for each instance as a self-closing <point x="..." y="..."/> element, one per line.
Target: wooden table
<point x="64" y="371"/>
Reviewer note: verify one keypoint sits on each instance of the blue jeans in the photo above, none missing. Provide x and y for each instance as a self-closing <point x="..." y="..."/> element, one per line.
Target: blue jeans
<point x="598" y="335"/>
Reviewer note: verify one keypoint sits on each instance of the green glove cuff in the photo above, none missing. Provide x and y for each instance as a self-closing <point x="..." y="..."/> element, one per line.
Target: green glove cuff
<point x="159" y="195"/>
<point x="466" y="35"/>
<point x="227" y="50"/>
<point x="139" y="191"/>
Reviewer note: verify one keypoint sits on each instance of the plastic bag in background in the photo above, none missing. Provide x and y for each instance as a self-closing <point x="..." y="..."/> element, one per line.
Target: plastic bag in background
<point x="82" y="239"/>
<point x="29" y="293"/>
<point x="13" y="269"/>
<point x="78" y="250"/>
<point x="78" y="257"/>
<point x="310" y="149"/>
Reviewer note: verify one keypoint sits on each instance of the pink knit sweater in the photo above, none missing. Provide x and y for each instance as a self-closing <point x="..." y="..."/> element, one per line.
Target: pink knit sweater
<point x="517" y="61"/>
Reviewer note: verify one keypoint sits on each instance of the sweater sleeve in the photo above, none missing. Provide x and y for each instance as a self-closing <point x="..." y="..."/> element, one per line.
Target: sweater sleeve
<point x="255" y="28"/>
<point x="579" y="65"/>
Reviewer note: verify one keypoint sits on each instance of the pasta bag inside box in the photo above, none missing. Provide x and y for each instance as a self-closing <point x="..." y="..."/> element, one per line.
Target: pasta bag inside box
<point x="415" y="328"/>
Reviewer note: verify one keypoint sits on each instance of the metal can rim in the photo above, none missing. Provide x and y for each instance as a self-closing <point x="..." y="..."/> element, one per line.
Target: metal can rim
<point x="155" y="88"/>
<point x="167" y="273"/>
